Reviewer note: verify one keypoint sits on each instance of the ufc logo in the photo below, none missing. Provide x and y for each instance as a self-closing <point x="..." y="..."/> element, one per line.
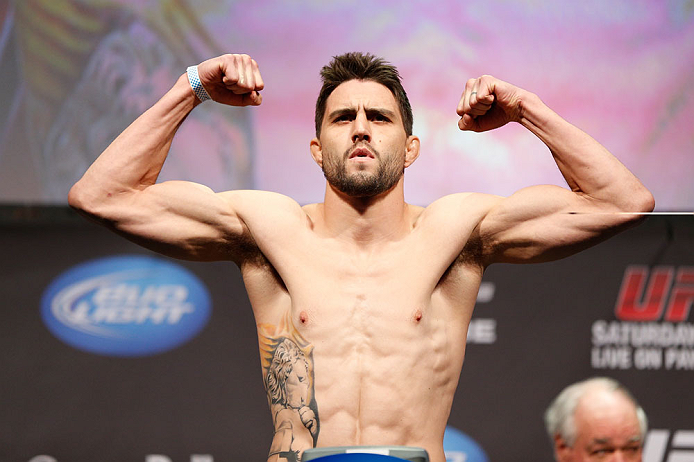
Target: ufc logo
<point x="646" y="294"/>
<point x="681" y="448"/>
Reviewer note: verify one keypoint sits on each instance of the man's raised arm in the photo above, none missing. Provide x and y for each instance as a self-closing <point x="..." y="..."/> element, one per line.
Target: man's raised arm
<point x="178" y="218"/>
<point x="541" y="223"/>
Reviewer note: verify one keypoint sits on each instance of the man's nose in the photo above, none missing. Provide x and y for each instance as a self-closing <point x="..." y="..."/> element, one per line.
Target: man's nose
<point x="361" y="129"/>
<point x="620" y="456"/>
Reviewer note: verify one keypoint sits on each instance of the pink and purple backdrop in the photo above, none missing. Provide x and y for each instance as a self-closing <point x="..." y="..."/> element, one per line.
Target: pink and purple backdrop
<point x="621" y="70"/>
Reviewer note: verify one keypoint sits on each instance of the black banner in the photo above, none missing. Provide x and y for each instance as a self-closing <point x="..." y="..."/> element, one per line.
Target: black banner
<point x="621" y="309"/>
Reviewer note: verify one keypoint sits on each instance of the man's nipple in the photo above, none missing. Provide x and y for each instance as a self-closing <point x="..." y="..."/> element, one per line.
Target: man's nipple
<point x="303" y="317"/>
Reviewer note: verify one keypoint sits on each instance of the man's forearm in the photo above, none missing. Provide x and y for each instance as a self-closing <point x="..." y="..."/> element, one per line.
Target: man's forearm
<point x="588" y="167"/>
<point x="135" y="158"/>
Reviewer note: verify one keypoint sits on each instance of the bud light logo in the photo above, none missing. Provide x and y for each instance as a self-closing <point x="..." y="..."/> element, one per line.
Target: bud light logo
<point x="461" y="448"/>
<point x="126" y="306"/>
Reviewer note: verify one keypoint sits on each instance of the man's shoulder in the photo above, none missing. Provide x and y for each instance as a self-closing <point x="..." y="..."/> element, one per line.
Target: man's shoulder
<point x="252" y="205"/>
<point x="466" y="206"/>
<point x="257" y="195"/>
<point x="457" y="218"/>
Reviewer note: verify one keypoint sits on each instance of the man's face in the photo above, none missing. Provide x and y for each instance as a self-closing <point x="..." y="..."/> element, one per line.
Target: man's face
<point x="363" y="141"/>
<point x="607" y="430"/>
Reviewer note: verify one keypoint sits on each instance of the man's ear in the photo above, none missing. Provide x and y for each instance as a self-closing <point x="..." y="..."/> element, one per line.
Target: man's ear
<point x="411" y="150"/>
<point x="317" y="151"/>
<point x="562" y="451"/>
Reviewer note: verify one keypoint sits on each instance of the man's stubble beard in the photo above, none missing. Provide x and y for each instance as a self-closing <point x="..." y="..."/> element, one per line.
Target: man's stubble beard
<point x="362" y="184"/>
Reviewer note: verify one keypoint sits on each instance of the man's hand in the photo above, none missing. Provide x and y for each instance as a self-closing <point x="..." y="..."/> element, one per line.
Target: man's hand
<point x="232" y="79"/>
<point x="488" y="103"/>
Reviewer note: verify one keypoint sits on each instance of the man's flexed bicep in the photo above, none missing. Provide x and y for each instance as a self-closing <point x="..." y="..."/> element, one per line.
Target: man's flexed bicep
<point x="181" y="219"/>
<point x="542" y="223"/>
<point x="546" y="222"/>
<point x="189" y="221"/>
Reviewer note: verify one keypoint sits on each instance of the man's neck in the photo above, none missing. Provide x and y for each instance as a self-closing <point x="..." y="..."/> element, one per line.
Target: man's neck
<point x="366" y="220"/>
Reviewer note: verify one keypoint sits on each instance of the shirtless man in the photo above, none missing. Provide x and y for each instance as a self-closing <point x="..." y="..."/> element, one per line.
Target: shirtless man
<point x="375" y="294"/>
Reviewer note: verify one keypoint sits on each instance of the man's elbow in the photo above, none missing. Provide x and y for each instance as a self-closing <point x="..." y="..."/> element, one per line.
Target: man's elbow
<point x="637" y="205"/>
<point x="81" y="199"/>
<point x="643" y="201"/>
<point x="75" y="197"/>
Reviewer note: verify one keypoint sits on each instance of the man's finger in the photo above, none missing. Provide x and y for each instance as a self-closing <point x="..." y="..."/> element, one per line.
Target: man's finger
<point x="259" y="84"/>
<point x="481" y="104"/>
<point x="472" y="97"/>
<point x="249" y="75"/>
<point x="467" y="123"/>
<point x="231" y="75"/>
<point x="252" y="99"/>
<point x="464" y="104"/>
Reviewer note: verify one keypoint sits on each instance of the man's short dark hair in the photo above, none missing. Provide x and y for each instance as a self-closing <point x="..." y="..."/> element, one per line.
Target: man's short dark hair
<point x="362" y="66"/>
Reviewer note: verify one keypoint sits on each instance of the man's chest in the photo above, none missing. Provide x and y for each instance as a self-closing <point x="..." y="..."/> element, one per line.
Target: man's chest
<point x="388" y="268"/>
<point x="353" y="296"/>
<point x="330" y="283"/>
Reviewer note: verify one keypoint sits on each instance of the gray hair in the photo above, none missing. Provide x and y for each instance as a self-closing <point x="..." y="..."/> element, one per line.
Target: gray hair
<point x="559" y="416"/>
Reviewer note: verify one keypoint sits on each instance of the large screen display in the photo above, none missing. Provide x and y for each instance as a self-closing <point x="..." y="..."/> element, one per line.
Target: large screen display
<point x="76" y="73"/>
